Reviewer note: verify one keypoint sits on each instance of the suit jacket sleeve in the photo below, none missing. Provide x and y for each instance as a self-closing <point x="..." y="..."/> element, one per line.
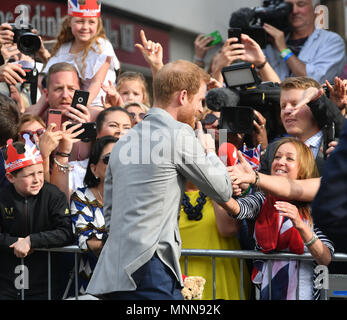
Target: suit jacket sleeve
<point x="207" y="172"/>
<point x="329" y="208"/>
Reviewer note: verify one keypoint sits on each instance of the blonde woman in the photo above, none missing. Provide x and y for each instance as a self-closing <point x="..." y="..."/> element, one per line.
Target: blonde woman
<point x="283" y="226"/>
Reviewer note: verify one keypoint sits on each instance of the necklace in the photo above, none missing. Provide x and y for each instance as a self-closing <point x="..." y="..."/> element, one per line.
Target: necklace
<point x="100" y="196"/>
<point x="194" y="213"/>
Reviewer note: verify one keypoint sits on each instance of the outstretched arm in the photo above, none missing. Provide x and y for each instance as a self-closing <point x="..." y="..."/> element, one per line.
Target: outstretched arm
<point x="283" y="187"/>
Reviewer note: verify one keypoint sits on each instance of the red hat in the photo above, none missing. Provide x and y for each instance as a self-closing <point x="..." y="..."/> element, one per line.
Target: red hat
<point x="84" y="8"/>
<point x="14" y="160"/>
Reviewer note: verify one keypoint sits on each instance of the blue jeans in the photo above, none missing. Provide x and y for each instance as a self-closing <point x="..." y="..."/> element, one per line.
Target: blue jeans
<point x="154" y="280"/>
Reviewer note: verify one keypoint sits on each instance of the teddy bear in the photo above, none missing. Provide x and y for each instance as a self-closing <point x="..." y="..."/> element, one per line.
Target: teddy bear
<point x="193" y="287"/>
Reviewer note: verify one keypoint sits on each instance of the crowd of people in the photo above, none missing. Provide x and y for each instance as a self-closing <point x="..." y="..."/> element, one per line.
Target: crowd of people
<point x="152" y="181"/>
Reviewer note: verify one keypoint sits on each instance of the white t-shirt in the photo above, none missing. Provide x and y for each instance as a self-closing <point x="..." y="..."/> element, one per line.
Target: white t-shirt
<point x="94" y="60"/>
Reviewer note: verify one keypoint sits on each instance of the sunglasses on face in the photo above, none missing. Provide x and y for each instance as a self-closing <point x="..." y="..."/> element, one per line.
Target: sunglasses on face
<point x="31" y="134"/>
<point x="210" y="118"/>
<point x="106" y="158"/>
<point x="141" y="115"/>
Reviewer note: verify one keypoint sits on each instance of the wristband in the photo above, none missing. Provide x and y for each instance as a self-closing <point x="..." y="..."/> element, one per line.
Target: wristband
<point x="63" y="154"/>
<point x="256" y="178"/>
<point x="262" y="65"/>
<point x="286" y="54"/>
<point x="312" y="241"/>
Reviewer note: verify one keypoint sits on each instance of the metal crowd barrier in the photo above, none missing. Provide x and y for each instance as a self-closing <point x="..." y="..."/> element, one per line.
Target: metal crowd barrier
<point x="240" y="254"/>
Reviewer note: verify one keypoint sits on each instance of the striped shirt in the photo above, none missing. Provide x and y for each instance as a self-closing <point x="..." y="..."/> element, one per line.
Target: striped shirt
<point x="250" y="207"/>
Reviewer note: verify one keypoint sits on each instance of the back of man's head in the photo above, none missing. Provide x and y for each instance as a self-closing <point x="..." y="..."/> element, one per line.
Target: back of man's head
<point x="9" y="119"/>
<point x="59" y="67"/>
<point x="299" y="83"/>
<point x="177" y="76"/>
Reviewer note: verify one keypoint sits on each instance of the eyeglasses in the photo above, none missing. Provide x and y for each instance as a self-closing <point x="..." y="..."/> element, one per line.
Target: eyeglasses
<point x="31" y="134"/>
<point x="141" y="115"/>
<point x="106" y="158"/>
<point x="210" y="118"/>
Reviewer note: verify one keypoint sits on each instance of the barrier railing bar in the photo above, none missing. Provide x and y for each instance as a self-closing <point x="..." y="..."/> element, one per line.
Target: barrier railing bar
<point x="240" y="254"/>
<point x="270" y="278"/>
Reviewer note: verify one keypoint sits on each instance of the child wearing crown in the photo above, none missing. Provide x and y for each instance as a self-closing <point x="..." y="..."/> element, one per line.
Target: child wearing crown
<point x="82" y="42"/>
<point x="33" y="214"/>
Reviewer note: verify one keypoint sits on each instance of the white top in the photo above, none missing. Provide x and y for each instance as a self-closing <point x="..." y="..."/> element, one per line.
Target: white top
<point x="94" y="60"/>
<point x="77" y="174"/>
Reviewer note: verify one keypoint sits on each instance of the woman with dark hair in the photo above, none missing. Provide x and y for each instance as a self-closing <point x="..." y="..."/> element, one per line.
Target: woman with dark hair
<point x="114" y="121"/>
<point x="87" y="207"/>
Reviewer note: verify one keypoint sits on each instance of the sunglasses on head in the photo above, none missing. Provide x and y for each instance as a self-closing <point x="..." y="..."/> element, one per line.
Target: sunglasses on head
<point x="210" y="118"/>
<point x="141" y="115"/>
<point x="106" y="158"/>
<point x="31" y="134"/>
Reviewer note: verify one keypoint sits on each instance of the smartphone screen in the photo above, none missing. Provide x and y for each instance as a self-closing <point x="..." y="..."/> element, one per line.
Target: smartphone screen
<point x="235" y="33"/>
<point x="54" y="116"/>
<point x="80" y="97"/>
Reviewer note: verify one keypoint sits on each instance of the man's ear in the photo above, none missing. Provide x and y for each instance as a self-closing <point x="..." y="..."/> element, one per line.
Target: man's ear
<point x="45" y="92"/>
<point x="182" y="97"/>
<point x="10" y="177"/>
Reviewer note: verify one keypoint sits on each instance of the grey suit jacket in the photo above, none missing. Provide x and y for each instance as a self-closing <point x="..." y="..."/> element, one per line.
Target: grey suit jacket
<point x="144" y="184"/>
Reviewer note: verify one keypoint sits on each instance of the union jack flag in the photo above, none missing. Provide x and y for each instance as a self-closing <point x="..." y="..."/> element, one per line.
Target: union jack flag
<point x="252" y="155"/>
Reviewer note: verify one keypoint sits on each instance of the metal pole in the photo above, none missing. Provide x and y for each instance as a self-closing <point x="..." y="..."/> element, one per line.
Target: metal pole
<point x="298" y="276"/>
<point x="49" y="277"/>
<point x="214" y="276"/>
<point x="270" y="278"/>
<point x="76" y="276"/>
<point x="23" y="272"/>
<point x="241" y="279"/>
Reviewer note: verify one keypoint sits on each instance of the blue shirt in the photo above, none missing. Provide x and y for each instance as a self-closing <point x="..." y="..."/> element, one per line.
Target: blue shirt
<point x="323" y="54"/>
<point x="315" y="142"/>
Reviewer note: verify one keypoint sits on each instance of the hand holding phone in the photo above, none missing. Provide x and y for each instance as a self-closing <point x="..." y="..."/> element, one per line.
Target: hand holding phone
<point x="80" y="97"/>
<point x="89" y="132"/>
<point x="54" y="116"/>
<point x="235" y="33"/>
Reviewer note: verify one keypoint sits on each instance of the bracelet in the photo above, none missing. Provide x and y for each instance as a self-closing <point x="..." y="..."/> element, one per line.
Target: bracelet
<point x="63" y="167"/>
<point x="256" y="178"/>
<point x="312" y="241"/>
<point x="63" y="154"/>
<point x="247" y="190"/>
<point x="262" y="65"/>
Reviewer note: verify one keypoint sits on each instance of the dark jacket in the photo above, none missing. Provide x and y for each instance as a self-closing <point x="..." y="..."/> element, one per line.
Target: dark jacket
<point x="329" y="208"/>
<point x="46" y="218"/>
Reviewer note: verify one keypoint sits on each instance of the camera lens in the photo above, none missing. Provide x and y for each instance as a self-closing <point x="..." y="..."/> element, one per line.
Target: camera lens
<point x="29" y="43"/>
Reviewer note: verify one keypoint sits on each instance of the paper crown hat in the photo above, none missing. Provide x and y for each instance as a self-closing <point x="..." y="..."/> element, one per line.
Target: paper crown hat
<point x="14" y="159"/>
<point x="84" y="8"/>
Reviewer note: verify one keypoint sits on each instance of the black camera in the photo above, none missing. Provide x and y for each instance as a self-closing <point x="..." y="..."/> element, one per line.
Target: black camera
<point x="274" y="12"/>
<point x="245" y="92"/>
<point x="27" y="42"/>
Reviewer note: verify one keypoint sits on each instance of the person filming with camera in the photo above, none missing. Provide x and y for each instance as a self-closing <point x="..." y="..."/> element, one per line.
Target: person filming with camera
<point x="306" y="50"/>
